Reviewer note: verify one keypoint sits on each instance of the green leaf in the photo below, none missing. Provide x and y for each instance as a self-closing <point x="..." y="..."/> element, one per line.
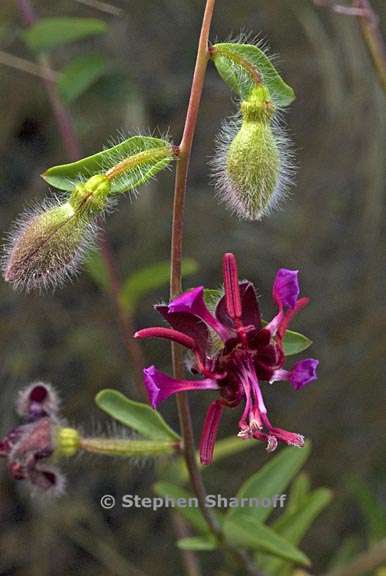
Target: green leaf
<point x="300" y="489"/>
<point x="150" y="278"/>
<point x="198" y="543"/>
<point x="135" y="415"/>
<point x="293" y="526"/>
<point x="233" y="61"/>
<point x="78" y="76"/>
<point x="373" y="511"/>
<point x="294" y="343"/>
<point x="48" y="33"/>
<point x="270" y="480"/>
<point x="191" y="513"/>
<point x="145" y="151"/>
<point x="247" y="531"/>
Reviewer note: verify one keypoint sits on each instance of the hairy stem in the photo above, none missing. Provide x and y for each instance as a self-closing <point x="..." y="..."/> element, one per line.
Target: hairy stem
<point x="184" y="153"/>
<point x="72" y="147"/>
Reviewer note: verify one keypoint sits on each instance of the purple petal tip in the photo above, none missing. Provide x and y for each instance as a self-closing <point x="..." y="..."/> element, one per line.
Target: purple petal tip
<point x="286" y="288"/>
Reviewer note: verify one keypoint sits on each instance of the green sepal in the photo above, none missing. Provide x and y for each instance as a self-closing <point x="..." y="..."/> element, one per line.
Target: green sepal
<point x="149" y="156"/>
<point x="235" y="64"/>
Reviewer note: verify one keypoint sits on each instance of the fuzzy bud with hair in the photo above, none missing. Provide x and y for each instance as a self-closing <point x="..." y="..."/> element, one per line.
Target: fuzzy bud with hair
<point x="48" y="245"/>
<point x="252" y="167"/>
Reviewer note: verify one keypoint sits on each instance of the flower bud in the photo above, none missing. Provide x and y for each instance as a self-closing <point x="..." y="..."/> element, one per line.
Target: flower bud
<point x="251" y="168"/>
<point x="48" y="245"/>
<point x="36" y="401"/>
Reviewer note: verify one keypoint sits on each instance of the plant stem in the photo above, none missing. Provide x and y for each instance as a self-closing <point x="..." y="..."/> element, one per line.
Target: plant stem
<point x="72" y="146"/>
<point x="184" y="153"/>
<point x="176" y="252"/>
<point x="371" y="33"/>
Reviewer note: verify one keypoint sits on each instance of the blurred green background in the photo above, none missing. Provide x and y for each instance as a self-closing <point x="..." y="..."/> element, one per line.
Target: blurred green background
<point x="332" y="228"/>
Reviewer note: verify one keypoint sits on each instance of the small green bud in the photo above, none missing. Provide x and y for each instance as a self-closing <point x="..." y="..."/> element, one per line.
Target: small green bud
<point x="47" y="246"/>
<point x="251" y="167"/>
<point x="67" y="442"/>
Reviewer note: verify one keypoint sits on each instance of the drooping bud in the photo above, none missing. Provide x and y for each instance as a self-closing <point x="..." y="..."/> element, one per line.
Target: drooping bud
<point x="48" y="246"/>
<point x="251" y="166"/>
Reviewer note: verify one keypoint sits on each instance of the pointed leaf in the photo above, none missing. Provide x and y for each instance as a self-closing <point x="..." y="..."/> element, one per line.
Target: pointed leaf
<point x="198" y="543"/>
<point x="294" y="343"/>
<point x="78" y="76"/>
<point x="373" y="510"/>
<point x="233" y="61"/>
<point x="300" y="489"/>
<point x="48" y="33"/>
<point x="143" y="169"/>
<point x="135" y="415"/>
<point x="246" y="531"/>
<point x="293" y="526"/>
<point x="271" y="479"/>
<point x="150" y="278"/>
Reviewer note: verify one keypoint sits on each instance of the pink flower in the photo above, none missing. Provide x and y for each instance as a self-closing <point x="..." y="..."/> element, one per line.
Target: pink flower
<point x="250" y="354"/>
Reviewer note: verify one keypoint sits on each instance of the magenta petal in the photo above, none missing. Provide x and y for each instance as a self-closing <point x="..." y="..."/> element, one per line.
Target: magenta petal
<point x="286" y="288"/>
<point x="303" y="373"/>
<point x="289" y="438"/>
<point x="209" y="432"/>
<point x="250" y="314"/>
<point x="160" y="386"/>
<point x="168" y="334"/>
<point x="189" y="324"/>
<point x="193" y="301"/>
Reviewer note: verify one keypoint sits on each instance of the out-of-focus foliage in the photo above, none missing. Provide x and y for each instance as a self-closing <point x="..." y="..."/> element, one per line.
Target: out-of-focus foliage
<point x="331" y="228"/>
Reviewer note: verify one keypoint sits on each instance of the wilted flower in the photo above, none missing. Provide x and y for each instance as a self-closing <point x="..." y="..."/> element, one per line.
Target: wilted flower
<point x="30" y="447"/>
<point x="252" y="167"/>
<point x="250" y="353"/>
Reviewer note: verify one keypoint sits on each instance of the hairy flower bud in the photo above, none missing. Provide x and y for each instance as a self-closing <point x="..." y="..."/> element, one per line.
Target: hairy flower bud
<point x="251" y="167"/>
<point x="48" y="245"/>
